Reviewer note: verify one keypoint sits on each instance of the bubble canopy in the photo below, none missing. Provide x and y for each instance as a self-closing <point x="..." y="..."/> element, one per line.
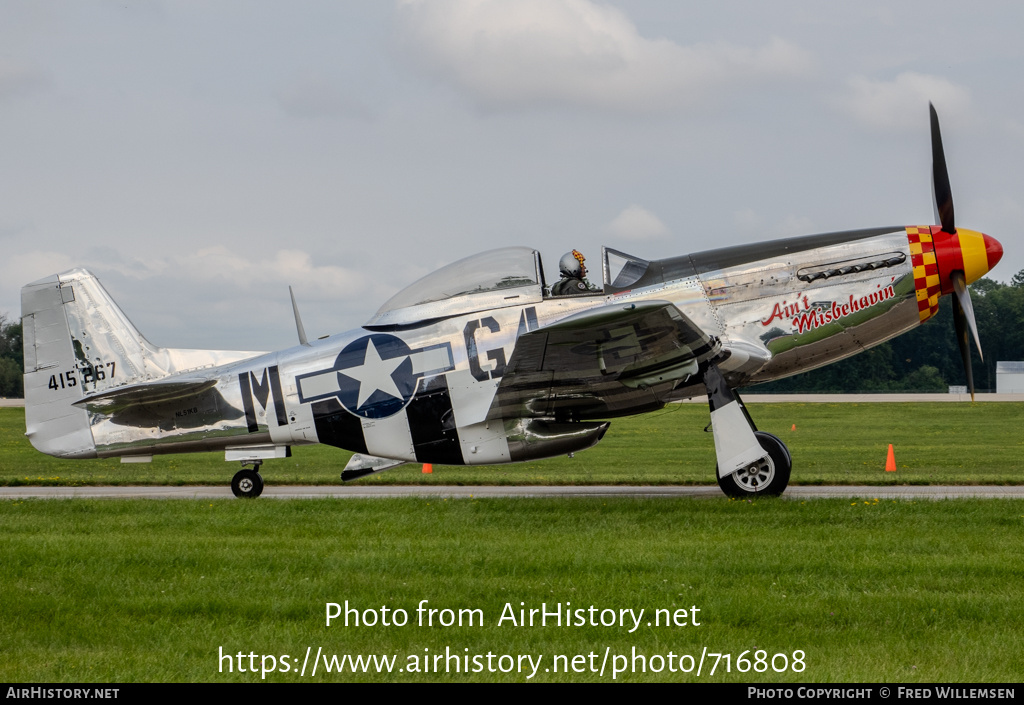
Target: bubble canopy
<point x="510" y="276"/>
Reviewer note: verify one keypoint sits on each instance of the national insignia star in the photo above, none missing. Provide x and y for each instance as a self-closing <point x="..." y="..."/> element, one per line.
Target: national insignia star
<point x="375" y="374"/>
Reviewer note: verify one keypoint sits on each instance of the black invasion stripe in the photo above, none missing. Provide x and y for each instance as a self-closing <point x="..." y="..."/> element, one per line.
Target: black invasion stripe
<point x="336" y="427"/>
<point x="432" y="423"/>
<point x="250" y="410"/>
<point x="275" y="387"/>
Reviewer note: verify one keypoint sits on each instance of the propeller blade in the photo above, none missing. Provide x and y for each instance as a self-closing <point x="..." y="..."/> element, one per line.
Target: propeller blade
<point x="940" y="178"/>
<point x="964" y="318"/>
<point x="964" y="297"/>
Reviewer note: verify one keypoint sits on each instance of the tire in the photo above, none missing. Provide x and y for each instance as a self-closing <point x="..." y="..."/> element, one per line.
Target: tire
<point x="247" y="483"/>
<point x="769" y="478"/>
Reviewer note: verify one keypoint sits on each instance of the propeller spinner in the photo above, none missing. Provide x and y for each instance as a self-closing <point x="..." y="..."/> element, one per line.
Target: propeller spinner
<point x="962" y="256"/>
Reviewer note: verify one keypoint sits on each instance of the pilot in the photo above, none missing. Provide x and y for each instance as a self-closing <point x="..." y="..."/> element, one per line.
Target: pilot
<point x="574" y="275"/>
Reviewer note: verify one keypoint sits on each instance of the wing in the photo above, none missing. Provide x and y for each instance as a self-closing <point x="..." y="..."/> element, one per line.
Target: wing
<point x="603" y="362"/>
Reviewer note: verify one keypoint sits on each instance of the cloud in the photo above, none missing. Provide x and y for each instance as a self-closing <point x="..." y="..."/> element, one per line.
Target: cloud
<point x="20" y="268"/>
<point x="24" y="267"/>
<point x="284" y="267"/>
<point x="18" y="80"/>
<point x="637" y="223"/>
<point x="902" y="102"/>
<point x="747" y="219"/>
<point x="533" y="53"/>
<point x="310" y="95"/>
<point x="793" y="226"/>
<point x="215" y="297"/>
<point x="211" y="267"/>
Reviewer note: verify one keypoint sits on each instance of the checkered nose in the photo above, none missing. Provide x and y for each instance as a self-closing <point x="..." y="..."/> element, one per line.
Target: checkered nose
<point x="966" y="251"/>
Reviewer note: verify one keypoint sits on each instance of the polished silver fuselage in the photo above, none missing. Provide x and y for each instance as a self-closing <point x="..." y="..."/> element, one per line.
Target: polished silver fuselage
<point x="432" y="395"/>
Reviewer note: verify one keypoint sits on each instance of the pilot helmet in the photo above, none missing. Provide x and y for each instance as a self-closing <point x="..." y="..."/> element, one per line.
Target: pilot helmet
<point x="571" y="265"/>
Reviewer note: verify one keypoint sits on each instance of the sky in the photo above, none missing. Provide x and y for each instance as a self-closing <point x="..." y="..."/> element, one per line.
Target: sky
<point x="200" y="157"/>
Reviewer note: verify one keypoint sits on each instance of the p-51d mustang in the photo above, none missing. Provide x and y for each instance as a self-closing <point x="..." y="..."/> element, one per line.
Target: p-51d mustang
<point x="478" y="363"/>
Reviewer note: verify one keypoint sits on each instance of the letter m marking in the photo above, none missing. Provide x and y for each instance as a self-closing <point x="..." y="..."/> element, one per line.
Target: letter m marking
<point x="260" y="390"/>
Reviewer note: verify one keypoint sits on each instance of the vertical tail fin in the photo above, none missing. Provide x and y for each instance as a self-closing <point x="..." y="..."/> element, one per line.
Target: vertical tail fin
<point x="53" y="364"/>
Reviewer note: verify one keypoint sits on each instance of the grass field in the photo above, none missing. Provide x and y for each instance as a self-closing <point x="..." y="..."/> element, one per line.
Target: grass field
<point x="868" y="591"/>
<point x="119" y="591"/>
<point x="935" y="443"/>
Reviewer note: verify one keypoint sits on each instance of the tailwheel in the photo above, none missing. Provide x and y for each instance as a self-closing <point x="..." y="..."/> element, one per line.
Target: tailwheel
<point x="766" y="476"/>
<point x="247" y="483"/>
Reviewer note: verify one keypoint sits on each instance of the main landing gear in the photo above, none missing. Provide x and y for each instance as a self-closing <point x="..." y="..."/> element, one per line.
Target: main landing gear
<point x="750" y="462"/>
<point x="768" y="475"/>
<point x="248" y="482"/>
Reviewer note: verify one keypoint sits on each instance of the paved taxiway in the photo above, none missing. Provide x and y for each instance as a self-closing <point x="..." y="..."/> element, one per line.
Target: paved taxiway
<point x="754" y="398"/>
<point x="335" y="492"/>
<point x="344" y="492"/>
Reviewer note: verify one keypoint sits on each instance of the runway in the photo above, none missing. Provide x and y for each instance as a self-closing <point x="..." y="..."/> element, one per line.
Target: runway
<point x="482" y="491"/>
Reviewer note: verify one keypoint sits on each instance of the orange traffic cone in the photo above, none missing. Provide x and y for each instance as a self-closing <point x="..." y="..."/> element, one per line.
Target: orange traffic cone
<point x="794" y="428"/>
<point x="429" y="468"/>
<point x="890" y="461"/>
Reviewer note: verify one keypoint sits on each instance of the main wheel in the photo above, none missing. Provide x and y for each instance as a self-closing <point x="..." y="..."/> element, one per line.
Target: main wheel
<point x="247" y="483"/>
<point x="768" y="476"/>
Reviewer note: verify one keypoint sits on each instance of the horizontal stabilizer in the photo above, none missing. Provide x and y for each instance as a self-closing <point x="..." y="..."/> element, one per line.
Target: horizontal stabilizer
<point x="117" y="400"/>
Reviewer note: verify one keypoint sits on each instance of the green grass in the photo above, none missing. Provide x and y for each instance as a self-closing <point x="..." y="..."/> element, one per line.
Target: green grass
<point x="935" y="443"/>
<point x="110" y="590"/>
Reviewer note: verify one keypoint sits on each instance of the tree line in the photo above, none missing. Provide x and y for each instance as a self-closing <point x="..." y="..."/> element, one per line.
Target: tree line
<point x="926" y="359"/>
<point x="12" y="359"/>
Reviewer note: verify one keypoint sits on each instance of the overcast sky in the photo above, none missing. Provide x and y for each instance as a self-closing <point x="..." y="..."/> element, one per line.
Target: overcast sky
<point x="199" y="157"/>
